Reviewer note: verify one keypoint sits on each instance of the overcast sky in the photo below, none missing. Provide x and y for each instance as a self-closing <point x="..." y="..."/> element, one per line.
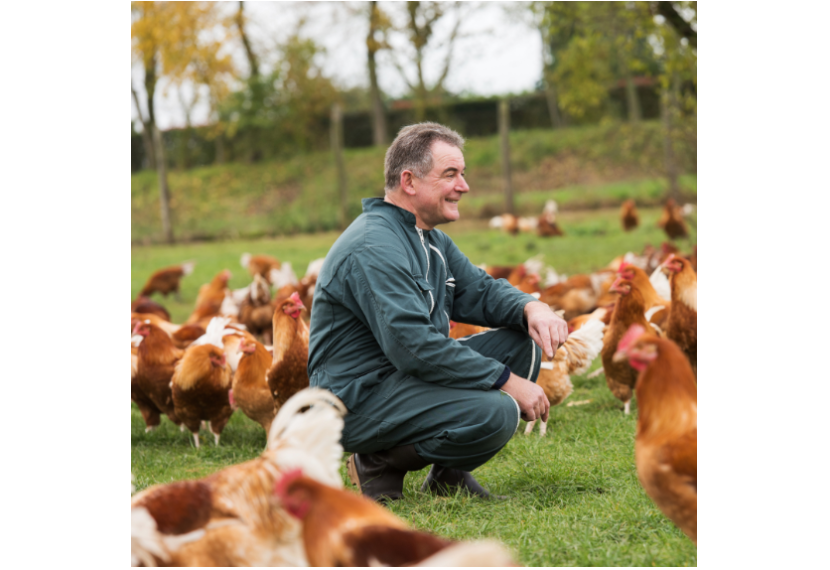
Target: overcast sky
<point x="499" y="54"/>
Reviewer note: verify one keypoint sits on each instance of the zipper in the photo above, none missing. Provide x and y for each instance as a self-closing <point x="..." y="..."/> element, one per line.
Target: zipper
<point x="426" y="252"/>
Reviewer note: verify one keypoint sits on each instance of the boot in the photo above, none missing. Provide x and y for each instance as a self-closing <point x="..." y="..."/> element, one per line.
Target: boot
<point x="380" y="475"/>
<point x="442" y="480"/>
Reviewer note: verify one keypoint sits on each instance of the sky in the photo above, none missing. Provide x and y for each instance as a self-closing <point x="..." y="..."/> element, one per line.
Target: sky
<point x="496" y="53"/>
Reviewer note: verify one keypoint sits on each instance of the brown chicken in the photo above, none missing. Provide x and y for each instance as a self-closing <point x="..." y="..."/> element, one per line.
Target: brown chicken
<point x="545" y="228"/>
<point x="186" y="334"/>
<point x="577" y="295"/>
<point x="628" y="216"/>
<point x="289" y="369"/>
<point x="230" y="518"/>
<point x="666" y="443"/>
<point x="671" y="220"/>
<point x="572" y="358"/>
<point x="499" y="271"/>
<point x="629" y="310"/>
<point x="602" y="314"/>
<point x="200" y="389"/>
<point x="250" y="392"/>
<point x="460" y="330"/>
<point x="260" y="265"/>
<point x="657" y="307"/>
<point x="156" y="359"/>
<point x="257" y="311"/>
<point x="682" y="323"/>
<point x="147" y="305"/>
<point x="166" y="281"/>
<point x="340" y="528"/>
<point x="210" y="297"/>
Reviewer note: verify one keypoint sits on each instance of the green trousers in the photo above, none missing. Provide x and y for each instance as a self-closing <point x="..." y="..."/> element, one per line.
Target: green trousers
<point x="448" y="426"/>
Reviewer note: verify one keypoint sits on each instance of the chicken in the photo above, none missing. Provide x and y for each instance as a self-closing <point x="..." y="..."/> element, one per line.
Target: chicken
<point x="210" y="298"/>
<point x="629" y="310"/>
<point x="250" y="391"/>
<point x="657" y="307"/>
<point x="460" y="330"/>
<point x="628" y="216"/>
<point x="341" y="528"/>
<point x="283" y="276"/>
<point x="510" y="224"/>
<point x="168" y="327"/>
<point x="257" y="311"/>
<point x="259" y="265"/>
<point x="201" y="382"/>
<point x="499" y="271"/>
<point x="572" y="358"/>
<point x="682" y="323"/>
<point x="546" y="226"/>
<point x="147" y="305"/>
<point x="230" y="518"/>
<point x="156" y="358"/>
<point x="186" y="334"/>
<point x="289" y="369"/>
<point x="577" y="323"/>
<point x="665" y="447"/>
<point x="577" y="295"/>
<point x="671" y="220"/>
<point x="166" y="281"/>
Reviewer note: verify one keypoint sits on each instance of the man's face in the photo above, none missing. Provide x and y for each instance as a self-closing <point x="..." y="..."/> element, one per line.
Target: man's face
<point x="437" y="194"/>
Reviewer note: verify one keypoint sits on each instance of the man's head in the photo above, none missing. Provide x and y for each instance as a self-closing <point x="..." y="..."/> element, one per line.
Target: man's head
<point x="424" y="173"/>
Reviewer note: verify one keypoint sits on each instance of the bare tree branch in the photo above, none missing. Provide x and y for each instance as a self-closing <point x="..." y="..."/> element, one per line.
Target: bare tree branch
<point x="676" y="21"/>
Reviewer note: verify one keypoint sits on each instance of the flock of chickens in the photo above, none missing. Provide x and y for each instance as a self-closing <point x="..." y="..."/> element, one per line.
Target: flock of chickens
<point x="247" y="349"/>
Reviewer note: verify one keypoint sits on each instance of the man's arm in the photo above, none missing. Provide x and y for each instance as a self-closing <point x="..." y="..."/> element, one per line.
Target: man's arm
<point x="481" y="300"/>
<point x="380" y="288"/>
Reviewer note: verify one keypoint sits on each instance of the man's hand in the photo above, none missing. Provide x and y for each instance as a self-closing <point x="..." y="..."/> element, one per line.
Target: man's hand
<point x="548" y="330"/>
<point x="533" y="402"/>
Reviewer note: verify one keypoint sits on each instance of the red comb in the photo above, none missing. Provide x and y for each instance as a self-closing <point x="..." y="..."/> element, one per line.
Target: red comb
<point x="665" y="261"/>
<point x="295" y="298"/>
<point x="623" y="265"/>
<point x="630" y="337"/>
<point x="281" y="486"/>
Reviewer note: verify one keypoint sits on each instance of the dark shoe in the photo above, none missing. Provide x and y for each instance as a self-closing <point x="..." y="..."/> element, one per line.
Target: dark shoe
<point x="443" y="481"/>
<point x="380" y="475"/>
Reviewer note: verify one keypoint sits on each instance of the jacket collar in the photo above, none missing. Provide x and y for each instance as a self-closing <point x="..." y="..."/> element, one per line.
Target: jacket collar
<point x="378" y="205"/>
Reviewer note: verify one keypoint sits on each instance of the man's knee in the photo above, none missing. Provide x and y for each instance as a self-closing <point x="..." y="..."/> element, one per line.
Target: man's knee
<point x="505" y="419"/>
<point x="514" y="348"/>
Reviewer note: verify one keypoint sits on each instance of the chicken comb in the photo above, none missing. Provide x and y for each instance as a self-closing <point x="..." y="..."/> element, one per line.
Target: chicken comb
<point x="666" y="261"/>
<point x="631" y="336"/>
<point x="623" y="265"/>
<point x="295" y="298"/>
<point x="281" y="486"/>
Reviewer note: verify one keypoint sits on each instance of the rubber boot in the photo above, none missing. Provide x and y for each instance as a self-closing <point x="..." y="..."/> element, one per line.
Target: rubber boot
<point x="442" y="481"/>
<point x="380" y="475"/>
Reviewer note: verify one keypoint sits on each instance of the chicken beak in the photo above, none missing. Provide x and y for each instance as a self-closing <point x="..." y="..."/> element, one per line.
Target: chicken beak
<point x="620" y="356"/>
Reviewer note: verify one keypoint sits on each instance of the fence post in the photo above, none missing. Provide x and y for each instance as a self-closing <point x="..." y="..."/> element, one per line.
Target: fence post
<point x="504" y="135"/>
<point x="337" y="148"/>
<point x="164" y="191"/>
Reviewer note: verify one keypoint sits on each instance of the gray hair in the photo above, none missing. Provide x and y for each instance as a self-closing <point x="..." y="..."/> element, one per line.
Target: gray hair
<point x="412" y="150"/>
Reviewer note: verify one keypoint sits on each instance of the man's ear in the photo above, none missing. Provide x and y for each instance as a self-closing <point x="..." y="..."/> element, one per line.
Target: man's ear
<point x="407" y="182"/>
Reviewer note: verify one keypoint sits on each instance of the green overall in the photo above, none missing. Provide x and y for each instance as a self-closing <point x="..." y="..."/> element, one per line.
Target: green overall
<point x="379" y="341"/>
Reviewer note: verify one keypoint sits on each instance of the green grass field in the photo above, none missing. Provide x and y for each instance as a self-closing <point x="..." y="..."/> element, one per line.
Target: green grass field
<point x="574" y="495"/>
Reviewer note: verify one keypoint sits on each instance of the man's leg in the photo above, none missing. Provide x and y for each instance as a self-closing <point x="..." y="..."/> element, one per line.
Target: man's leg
<point x="457" y="430"/>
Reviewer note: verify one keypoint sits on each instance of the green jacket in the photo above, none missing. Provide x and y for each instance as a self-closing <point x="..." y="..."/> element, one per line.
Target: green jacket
<point x="383" y="303"/>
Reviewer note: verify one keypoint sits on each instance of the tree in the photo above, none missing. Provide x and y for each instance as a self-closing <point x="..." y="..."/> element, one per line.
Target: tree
<point x="375" y="41"/>
<point x="169" y="40"/>
<point x="421" y="21"/>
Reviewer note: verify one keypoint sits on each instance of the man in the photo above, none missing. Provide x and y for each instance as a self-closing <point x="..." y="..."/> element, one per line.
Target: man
<point x="380" y="323"/>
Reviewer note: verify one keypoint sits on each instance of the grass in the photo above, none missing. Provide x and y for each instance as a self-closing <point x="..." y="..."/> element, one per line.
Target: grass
<point x="581" y="167"/>
<point x="574" y="495"/>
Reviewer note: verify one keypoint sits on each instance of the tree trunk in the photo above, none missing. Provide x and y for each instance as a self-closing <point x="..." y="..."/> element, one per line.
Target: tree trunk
<point x="635" y="114"/>
<point x="164" y="192"/>
<point x="337" y="148"/>
<point x="553" y="105"/>
<point x="252" y="60"/>
<point x="378" y="112"/>
<point x="504" y="135"/>
<point x="146" y="137"/>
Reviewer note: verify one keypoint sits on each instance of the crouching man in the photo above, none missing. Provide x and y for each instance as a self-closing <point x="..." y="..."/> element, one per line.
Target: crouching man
<point x="380" y="324"/>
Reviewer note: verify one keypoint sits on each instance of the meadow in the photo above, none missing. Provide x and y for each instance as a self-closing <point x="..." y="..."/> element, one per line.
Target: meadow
<point x="574" y="498"/>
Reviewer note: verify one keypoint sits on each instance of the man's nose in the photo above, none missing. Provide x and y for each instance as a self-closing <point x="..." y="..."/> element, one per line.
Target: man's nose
<point x="462" y="185"/>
